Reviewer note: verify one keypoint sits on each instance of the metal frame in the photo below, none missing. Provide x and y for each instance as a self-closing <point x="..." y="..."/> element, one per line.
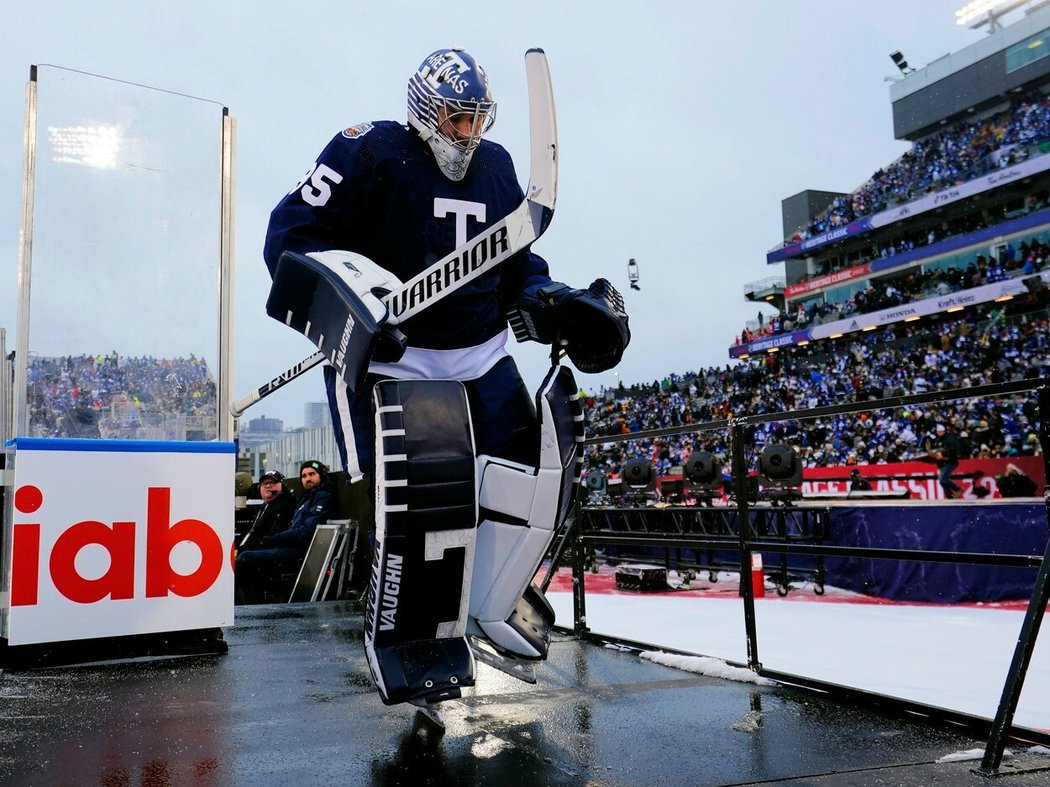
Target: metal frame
<point x="1000" y="729"/>
<point x="20" y="422"/>
<point x="1003" y="722"/>
<point x="226" y="252"/>
<point x="6" y="385"/>
<point x="19" y="418"/>
<point x="709" y="529"/>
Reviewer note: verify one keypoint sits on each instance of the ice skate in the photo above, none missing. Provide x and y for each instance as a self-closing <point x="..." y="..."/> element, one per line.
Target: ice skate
<point x="430" y="717"/>
<point x="487" y="653"/>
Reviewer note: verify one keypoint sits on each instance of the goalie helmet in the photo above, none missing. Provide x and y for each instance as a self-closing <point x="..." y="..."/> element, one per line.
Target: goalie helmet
<point x="450" y="106"/>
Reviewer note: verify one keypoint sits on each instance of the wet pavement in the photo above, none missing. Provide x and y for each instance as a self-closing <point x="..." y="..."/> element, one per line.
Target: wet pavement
<point x="291" y="703"/>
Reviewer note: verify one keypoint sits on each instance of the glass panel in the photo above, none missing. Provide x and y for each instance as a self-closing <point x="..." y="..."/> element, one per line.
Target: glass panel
<point x="1028" y="51"/>
<point x="948" y="655"/>
<point x="123" y="320"/>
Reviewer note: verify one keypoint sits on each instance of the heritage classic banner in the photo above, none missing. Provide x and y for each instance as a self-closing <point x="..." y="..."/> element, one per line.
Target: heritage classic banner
<point x="116" y="537"/>
<point x="937" y="304"/>
<point x="911" y="480"/>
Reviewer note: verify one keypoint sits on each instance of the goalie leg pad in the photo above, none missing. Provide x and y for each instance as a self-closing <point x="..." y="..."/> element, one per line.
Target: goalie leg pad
<point x="522" y="509"/>
<point x="426" y="523"/>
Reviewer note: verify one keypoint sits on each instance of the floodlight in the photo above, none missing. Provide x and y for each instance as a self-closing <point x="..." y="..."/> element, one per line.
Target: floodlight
<point x="702" y="471"/>
<point x="637" y="477"/>
<point x="597" y="482"/>
<point x="637" y="473"/>
<point x="780" y="473"/>
<point x="703" y="476"/>
<point x="900" y="62"/>
<point x="633" y="274"/>
<point x="779" y="466"/>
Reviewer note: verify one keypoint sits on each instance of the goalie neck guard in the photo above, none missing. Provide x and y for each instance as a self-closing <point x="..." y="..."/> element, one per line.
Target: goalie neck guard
<point x="450" y="106"/>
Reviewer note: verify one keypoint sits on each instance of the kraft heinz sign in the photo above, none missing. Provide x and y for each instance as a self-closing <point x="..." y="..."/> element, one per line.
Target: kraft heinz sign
<point x="112" y="537"/>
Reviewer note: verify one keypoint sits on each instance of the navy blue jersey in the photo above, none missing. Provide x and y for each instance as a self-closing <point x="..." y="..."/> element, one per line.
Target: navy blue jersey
<point x="376" y="190"/>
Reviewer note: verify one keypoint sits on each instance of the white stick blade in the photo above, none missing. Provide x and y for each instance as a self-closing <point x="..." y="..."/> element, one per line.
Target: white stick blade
<point x="543" y="175"/>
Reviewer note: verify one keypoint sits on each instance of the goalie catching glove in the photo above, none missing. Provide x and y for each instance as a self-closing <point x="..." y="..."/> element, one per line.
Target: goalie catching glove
<point x="591" y="324"/>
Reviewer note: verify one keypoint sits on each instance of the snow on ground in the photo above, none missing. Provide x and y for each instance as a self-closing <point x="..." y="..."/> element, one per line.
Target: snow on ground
<point x="705" y="665"/>
<point x="949" y="656"/>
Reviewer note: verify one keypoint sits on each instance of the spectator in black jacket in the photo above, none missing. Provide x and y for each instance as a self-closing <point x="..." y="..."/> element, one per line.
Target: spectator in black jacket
<point x="857" y="482"/>
<point x="270" y="569"/>
<point x="948" y="449"/>
<point x="1014" y="483"/>
<point x="275" y="515"/>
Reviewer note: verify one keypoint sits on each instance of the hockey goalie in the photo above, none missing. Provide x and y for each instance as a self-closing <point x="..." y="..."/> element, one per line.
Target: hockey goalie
<point x="404" y="254"/>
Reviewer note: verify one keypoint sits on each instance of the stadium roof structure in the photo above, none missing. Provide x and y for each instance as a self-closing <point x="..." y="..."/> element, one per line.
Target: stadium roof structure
<point x="976" y="77"/>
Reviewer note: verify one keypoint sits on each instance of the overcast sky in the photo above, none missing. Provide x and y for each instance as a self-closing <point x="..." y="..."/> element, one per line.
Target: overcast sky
<point x="682" y="126"/>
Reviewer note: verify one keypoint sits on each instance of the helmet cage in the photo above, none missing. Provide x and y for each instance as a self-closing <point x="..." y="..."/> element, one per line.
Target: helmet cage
<point x="449" y="85"/>
<point x="482" y="114"/>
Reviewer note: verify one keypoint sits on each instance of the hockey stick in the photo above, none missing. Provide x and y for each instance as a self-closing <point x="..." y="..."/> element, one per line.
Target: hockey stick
<point x="482" y="253"/>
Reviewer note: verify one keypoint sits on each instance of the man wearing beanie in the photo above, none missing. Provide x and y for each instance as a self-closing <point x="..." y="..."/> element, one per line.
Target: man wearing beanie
<point x="281" y="553"/>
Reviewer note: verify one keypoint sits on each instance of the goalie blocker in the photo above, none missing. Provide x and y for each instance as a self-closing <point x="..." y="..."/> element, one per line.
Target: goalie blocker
<point x="438" y="575"/>
<point x="334" y="298"/>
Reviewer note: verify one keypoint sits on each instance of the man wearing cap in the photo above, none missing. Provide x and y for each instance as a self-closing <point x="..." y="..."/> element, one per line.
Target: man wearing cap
<point x="275" y="563"/>
<point x="278" y="505"/>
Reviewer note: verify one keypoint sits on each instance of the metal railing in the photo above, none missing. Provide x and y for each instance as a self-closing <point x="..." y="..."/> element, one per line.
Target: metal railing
<point x="769" y="283"/>
<point x="576" y="543"/>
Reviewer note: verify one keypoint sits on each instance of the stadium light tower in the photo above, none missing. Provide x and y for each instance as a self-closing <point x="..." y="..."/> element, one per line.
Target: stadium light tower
<point x="986" y="12"/>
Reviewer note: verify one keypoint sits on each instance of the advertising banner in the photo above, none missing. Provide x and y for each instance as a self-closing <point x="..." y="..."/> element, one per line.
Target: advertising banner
<point x="112" y="537"/>
<point x="987" y="293"/>
<point x="909" y="480"/>
<point x="918" y="480"/>
<point x="819" y="283"/>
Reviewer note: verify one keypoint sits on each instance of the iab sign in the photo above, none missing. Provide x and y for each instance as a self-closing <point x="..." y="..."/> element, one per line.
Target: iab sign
<point x="109" y="538"/>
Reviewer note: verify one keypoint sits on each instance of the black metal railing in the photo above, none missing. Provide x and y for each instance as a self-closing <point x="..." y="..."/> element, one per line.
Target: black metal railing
<point x="585" y="533"/>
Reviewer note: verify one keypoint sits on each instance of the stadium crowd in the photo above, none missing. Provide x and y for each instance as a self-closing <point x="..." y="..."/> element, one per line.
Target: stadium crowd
<point x="113" y="395"/>
<point x="988" y="346"/>
<point x="957" y="154"/>
<point x="907" y="286"/>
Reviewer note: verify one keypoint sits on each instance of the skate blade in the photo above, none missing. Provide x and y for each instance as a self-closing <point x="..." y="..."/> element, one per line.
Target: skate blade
<point x="430" y="718"/>
<point x="521" y="669"/>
